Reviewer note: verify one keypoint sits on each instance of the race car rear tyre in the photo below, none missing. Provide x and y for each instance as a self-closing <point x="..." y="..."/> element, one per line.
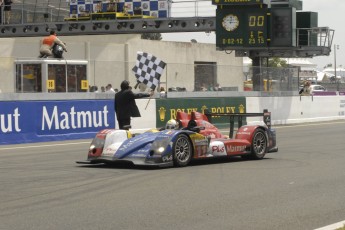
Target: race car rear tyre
<point x="259" y="145"/>
<point x="182" y="151"/>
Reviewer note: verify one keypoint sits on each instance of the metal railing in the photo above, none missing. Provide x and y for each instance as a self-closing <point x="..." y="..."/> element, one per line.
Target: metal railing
<point x="318" y="36"/>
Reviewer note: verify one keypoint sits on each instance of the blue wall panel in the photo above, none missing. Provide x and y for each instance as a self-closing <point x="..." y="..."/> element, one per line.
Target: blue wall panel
<point x="35" y="121"/>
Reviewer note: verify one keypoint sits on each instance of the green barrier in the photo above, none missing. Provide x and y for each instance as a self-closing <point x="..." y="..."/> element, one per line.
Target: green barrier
<point x="167" y="109"/>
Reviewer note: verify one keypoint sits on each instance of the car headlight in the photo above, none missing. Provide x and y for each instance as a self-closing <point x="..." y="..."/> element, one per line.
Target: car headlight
<point x="158" y="147"/>
<point x="161" y="149"/>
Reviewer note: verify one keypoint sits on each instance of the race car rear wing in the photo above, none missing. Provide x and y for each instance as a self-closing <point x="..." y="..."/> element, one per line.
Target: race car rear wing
<point x="265" y="115"/>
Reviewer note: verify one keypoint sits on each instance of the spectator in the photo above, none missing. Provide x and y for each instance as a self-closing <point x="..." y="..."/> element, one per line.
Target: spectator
<point x="125" y="106"/>
<point x="109" y="89"/>
<point x="94" y="89"/>
<point x="138" y="11"/>
<point x="102" y="89"/>
<point x="218" y="87"/>
<point x="203" y="87"/>
<point x="47" y="44"/>
<point x="7" y="9"/>
<point x="306" y="90"/>
<point x="162" y="92"/>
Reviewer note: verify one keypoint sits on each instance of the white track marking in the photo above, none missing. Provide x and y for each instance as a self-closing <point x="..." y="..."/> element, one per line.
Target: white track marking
<point x="335" y="226"/>
<point x="39" y="146"/>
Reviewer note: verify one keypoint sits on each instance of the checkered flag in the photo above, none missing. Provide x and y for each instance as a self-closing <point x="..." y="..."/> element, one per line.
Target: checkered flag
<point x="148" y="69"/>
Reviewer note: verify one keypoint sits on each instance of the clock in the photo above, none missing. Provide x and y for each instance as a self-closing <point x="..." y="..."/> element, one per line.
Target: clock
<point x="230" y="22"/>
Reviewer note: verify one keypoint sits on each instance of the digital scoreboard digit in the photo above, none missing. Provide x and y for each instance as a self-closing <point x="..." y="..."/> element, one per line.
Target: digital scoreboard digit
<point x="245" y="27"/>
<point x="257" y="27"/>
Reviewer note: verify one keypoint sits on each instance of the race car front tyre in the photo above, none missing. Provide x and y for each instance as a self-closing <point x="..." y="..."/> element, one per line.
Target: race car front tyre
<point x="259" y="145"/>
<point x="182" y="151"/>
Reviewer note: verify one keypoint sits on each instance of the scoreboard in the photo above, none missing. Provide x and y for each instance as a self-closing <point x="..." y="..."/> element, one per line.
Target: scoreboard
<point x="242" y="27"/>
<point x="266" y="28"/>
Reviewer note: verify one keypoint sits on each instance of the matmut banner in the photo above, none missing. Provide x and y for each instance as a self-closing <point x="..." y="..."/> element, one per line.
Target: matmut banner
<point x="36" y="121"/>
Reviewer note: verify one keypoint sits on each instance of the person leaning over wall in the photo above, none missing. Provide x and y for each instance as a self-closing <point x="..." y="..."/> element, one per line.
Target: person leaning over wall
<point x="306" y="90"/>
<point x="47" y="44"/>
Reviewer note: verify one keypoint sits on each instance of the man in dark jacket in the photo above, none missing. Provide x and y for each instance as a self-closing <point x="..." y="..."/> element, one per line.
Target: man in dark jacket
<point x="125" y="106"/>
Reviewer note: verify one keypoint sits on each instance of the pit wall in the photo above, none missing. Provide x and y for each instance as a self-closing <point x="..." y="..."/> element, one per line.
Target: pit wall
<point x="298" y="109"/>
<point x="284" y="110"/>
<point x="27" y="118"/>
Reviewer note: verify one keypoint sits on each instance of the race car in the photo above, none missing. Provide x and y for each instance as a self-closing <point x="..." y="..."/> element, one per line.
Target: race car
<point x="186" y="138"/>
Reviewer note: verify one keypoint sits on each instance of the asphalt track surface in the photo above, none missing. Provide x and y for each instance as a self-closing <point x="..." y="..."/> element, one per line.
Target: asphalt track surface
<point x="300" y="187"/>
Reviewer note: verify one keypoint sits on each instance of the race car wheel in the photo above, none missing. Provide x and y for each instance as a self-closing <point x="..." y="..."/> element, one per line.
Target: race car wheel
<point x="182" y="151"/>
<point x="259" y="145"/>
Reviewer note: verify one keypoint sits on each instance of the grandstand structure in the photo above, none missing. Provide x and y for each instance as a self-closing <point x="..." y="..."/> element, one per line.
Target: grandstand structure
<point x="36" y="17"/>
<point x="32" y="18"/>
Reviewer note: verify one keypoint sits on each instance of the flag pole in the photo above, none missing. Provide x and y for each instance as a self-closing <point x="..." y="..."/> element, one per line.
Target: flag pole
<point x="149" y="99"/>
<point x="166" y="81"/>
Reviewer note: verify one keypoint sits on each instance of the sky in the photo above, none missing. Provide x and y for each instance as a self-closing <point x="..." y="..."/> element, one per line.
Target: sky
<point x="331" y="13"/>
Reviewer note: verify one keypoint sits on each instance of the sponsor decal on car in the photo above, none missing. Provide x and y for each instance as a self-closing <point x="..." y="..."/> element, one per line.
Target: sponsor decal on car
<point x="201" y="145"/>
<point x="201" y="142"/>
<point x="131" y="142"/>
<point x="200" y="150"/>
<point x="217" y="148"/>
<point x="235" y="148"/>
<point x="109" y="152"/>
<point x="167" y="158"/>
<point x="244" y="132"/>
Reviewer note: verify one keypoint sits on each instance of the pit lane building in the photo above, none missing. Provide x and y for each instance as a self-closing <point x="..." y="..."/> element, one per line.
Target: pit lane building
<point x="111" y="59"/>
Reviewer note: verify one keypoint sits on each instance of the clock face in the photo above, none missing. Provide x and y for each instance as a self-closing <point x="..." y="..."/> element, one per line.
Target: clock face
<point x="230" y="22"/>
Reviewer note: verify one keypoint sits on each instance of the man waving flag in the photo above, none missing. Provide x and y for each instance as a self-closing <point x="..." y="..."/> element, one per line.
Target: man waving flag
<point x="148" y="69"/>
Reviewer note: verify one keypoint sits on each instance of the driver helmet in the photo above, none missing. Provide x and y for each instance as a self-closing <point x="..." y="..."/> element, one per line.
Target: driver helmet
<point x="172" y="124"/>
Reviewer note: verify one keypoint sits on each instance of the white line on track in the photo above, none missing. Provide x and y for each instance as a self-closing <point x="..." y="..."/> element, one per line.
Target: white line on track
<point x="50" y="145"/>
<point x="335" y="226"/>
<point x="308" y="124"/>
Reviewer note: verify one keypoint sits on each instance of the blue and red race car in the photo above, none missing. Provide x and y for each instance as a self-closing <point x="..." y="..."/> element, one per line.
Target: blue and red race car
<point x="193" y="138"/>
